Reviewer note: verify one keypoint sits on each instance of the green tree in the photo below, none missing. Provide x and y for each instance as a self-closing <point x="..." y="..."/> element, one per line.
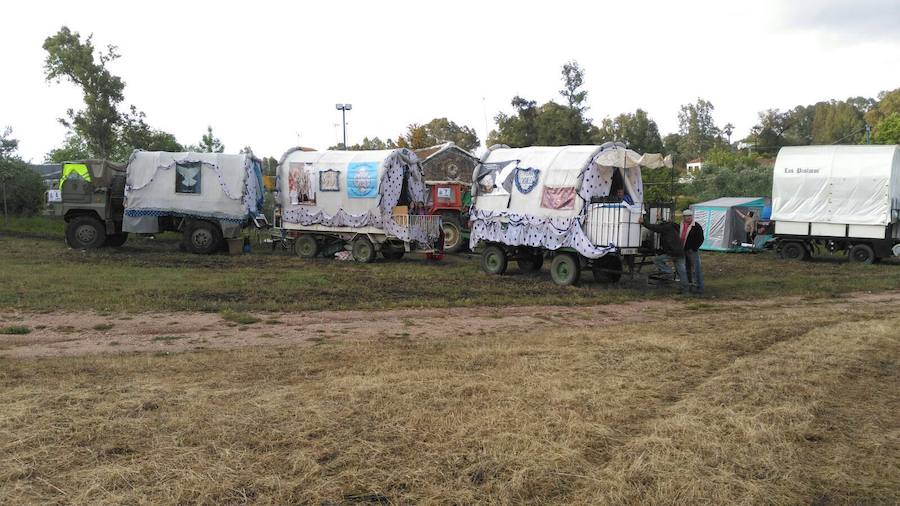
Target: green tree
<point x="728" y="173"/>
<point x="73" y="147"/>
<point x="697" y="128"/>
<point x="367" y="144"/>
<point x="70" y="58"/>
<point x="888" y="103"/>
<point x="887" y="131"/>
<point x="135" y="133"/>
<point x="438" y="131"/>
<point x="21" y="189"/>
<point x="209" y="143"/>
<point x="837" y="122"/>
<point x="636" y="130"/>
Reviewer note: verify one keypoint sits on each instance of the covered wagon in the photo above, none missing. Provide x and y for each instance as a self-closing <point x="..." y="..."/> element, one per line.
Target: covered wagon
<point x="206" y="196"/>
<point x="369" y="201"/>
<point x="577" y="205"/>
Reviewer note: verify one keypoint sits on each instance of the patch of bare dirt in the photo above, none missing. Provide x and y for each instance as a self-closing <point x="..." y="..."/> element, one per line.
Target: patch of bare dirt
<point x="71" y="334"/>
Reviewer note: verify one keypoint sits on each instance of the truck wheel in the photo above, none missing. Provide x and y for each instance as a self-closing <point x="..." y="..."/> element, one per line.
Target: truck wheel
<point x="794" y="250"/>
<point x="306" y="246"/>
<point x="363" y="250"/>
<point x="565" y="269"/>
<point x="453" y="240"/>
<point x="862" y="254"/>
<point x="493" y="260"/>
<point x="85" y="232"/>
<point x="607" y="269"/>
<point x="202" y="237"/>
<point x="116" y="240"/>
<point x="531" y="265"/>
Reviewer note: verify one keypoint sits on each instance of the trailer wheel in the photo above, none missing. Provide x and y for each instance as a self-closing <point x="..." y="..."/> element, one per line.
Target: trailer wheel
<point x="202" y="237"/>
<point x="117" y="239"/>
<point x="306" y="246"/>
<point x="453" y="241"/>
<point x="565" y="269"/>
<point x="862" y="254"/>
<point x="531" y="265"/>
<point x="391" y="252"/>
<point x="607" y="269"/>
<point x="794" y="250"/>
<point x="85" y="232"/>
<point x="363" y="250"/>
<point x="493" y="260"/>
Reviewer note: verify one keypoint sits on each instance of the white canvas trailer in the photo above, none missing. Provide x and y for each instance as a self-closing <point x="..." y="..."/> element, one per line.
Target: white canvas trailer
<point x="837" y="198"/>
<point x="579" y="205"/>
<point x="207" y="196"/>
<point x="331" y="199"/>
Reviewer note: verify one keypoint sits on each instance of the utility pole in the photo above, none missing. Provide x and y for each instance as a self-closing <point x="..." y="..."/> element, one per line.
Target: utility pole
<point x="344" y="108"/>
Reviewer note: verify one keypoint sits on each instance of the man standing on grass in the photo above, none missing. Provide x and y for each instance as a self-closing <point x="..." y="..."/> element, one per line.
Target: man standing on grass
<point x="692" y="239"/>
<point x="673" y="251"/>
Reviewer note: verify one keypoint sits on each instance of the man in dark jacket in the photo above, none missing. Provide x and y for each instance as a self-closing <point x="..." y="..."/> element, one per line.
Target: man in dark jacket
<point x="692" y="238"/>
<point x="673" y="250"/>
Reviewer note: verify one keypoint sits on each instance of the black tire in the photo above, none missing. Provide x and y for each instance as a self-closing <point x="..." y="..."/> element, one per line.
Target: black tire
<point x="392" y="252"/>
<point x="363" y="250"/>
<point x="202" y="237"/>
<point x="116" y="240"/>
<point x="453" y="240"/>
<point x="493" y="260"/>
<point x="607" y="269"/>
<point x="794" y="250"/>
<point x="862" y="254"/>
<point x="85" y="232"/>
<point x="565" y="269"/>
<point x="306" y="246"/>
<point x="531" y="265"/>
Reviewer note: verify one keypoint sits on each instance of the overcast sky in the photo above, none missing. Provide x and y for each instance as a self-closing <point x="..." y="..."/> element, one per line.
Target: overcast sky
<point x="268" y="74"/>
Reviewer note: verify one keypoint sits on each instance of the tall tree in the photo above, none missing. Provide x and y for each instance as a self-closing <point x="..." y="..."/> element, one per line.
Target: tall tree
<point x="635" y="129"/>
<point x="209" y="143"/>
<point x="888" y="130"/>
<point x="70" y="58"/>
<point x="697" y="128"/>
<point x="135" y="133"/>
<point x="579" y="126"/>
<point x="439" y="131"/>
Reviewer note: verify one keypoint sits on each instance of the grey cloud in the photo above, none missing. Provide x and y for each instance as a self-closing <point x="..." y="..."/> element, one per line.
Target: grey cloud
<point x="860" y="20"/>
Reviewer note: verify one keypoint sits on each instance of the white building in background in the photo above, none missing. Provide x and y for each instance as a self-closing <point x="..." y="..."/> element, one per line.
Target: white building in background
<point x="694" y="167"/>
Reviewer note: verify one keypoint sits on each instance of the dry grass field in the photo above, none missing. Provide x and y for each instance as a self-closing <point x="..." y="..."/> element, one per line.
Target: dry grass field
<point x="786" y="401"/>
<point x="148" y="376"/>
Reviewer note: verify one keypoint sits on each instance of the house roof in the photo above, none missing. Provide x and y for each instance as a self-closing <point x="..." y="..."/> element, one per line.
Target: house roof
<point x="425" y="153"/>
<point x="47" y="170"/>
<point x="696" y="160"/>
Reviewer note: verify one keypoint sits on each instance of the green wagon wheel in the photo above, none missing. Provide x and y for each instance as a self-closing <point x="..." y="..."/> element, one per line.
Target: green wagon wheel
<point x="565" y="269"/>
<point x="306" y="246"/>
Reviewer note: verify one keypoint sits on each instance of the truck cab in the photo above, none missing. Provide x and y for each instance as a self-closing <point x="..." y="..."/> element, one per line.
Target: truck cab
<point x="91" y="201"/>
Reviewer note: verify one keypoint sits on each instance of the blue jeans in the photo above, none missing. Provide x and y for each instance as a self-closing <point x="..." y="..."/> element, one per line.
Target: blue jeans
<point x="662" y="263"/>
<point x="692" y="258"/>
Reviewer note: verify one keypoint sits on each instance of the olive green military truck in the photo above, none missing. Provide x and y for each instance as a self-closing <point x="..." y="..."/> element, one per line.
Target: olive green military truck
<point x="92" y="202"/>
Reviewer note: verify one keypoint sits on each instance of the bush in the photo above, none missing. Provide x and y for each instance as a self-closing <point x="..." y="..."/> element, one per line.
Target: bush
<point x="23" y="186"/>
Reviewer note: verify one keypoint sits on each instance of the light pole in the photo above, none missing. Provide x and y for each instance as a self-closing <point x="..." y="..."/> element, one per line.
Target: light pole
<point x="344" y="108"/>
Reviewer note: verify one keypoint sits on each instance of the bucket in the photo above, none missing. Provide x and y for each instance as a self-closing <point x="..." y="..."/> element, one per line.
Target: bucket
<point x="235" y="246"/>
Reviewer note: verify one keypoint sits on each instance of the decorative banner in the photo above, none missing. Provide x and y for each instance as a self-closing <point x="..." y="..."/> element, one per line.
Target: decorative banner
<point x="526" y="179"/>
<point x="558" y="198"/>
<point x="300" y="185"/>
<point x="362" y="180"/>
<point x="187" y="177"/>
<point x="330" y="180"/>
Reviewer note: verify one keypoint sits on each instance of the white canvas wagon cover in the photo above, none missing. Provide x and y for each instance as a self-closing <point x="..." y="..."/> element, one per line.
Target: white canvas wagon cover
<point x="536" y="196"/>
<point x="855" y="185"/>
<point x="207" y="185"/>
<point x="348" y="188"/>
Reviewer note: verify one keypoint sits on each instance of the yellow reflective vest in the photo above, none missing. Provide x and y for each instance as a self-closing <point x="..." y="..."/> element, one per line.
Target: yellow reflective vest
<point x="74" y="168"/>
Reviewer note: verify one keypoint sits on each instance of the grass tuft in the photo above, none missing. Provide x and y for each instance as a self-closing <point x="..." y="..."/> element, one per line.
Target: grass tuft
<point x="238" y="317"/>
<point x="15" y="330"/>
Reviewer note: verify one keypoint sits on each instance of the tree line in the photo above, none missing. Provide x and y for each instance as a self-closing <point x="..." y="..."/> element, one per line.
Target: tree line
<point x="104" y="128"/>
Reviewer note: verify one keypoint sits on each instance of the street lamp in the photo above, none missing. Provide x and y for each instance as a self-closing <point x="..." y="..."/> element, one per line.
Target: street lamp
<point x="344" y="108"/>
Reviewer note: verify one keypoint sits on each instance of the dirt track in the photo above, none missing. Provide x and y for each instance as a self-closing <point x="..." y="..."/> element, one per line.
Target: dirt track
<point x="70" y="334"/>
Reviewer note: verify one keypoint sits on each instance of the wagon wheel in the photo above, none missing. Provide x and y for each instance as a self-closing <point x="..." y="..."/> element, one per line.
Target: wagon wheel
<point x="493" y="260"/>
<point x="363" y="250"/>
<point x="306" y="246"/>
<point x="565" y="269"/>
